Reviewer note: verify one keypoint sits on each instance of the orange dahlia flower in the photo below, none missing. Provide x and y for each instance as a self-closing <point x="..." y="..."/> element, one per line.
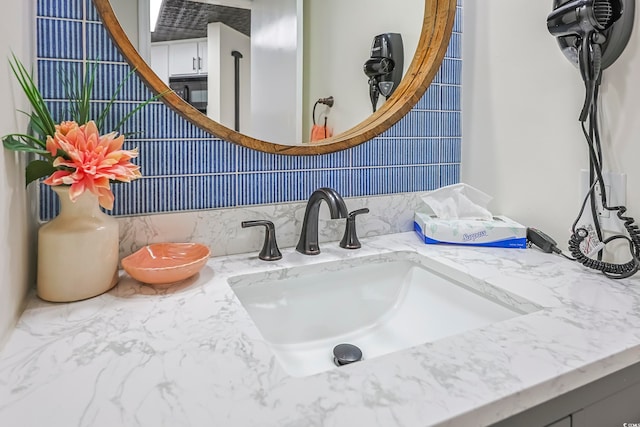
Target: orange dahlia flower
<point x="66" y="126"/>
<point x="90" y="161"/>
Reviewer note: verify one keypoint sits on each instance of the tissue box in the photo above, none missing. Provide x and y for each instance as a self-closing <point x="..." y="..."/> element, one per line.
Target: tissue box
<point x="501" y="232"/>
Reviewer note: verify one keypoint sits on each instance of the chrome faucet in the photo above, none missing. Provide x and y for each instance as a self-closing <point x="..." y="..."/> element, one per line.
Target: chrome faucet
<point x="308" y="243"/>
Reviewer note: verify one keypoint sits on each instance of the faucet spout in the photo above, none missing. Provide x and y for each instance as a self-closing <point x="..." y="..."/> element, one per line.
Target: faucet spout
<point x="308" y="243"/>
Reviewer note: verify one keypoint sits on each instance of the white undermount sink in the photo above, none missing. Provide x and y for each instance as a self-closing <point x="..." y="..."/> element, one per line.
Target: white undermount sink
<point x="380" y="304"/>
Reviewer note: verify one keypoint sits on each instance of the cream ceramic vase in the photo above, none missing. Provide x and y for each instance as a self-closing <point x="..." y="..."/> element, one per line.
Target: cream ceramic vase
<point x="77" y="250"/>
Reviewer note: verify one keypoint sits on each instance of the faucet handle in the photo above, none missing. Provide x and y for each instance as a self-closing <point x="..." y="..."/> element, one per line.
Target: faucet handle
<point x="270" y="251"/>
<point x="350" y="238"/>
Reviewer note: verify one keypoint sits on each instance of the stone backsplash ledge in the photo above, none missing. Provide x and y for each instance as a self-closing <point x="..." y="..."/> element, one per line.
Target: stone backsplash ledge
<point x="220" y="228"/>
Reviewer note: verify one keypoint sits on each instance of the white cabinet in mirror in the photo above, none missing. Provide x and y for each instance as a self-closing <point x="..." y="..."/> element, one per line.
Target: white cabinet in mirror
<point x="180" y="58"/>
<point x="185" y="57"/>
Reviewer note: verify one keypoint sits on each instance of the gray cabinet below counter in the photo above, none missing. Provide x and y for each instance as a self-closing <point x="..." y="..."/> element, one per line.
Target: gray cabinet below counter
<point x="612" y="401"/>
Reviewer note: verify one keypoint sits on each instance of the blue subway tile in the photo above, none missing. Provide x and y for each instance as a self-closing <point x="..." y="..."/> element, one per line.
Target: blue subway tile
<point x="449" y="174"/>
<point x="457" y="24"/>
<point x="59" y="110"/>
<point x="450" y="72"/>
<point x="324" y="161"/>
<point x="252" y="160"/>
<point x="183" y="157"/>
<point x="373" y="181"/>
<point x="71" y="9"/>
<point x="49" y="202"/>
<point x="277" y="187"/>
<point x="117" y="78"/>
<point x="153" y="121"/>
<point x="99" y="44"/>
<point x="425" y="178"/>
<point x="396" y="151"/>
<point x="59" y="39"/>
<point x="454" y="50"/>
<point x="431" y="100"/>
<point x="451" y="98"/>
<point x="416" y="123"/>
<point x="50" y="73"/>
<point x="338" y="179"/>
<point x="450" y="150"/>
<point x="451" y="124"/>
<point x="92" y="13"/>
<point x="438" y="76"/>
<point x="168" y="194"/>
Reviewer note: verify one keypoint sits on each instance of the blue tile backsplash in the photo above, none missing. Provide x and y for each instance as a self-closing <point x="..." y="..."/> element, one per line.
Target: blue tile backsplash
<point x="187" y="169"/>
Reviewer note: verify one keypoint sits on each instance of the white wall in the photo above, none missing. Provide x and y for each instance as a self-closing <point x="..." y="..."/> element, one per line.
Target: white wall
<point x="521" y="99"/>
<point x="15" y="252"/>
<point x="274" y="101"/>
<point x="222" y="40"/>
<point x="338" y="37"/>
<point x="127" y="13"/>
<point x="214" y="101"/>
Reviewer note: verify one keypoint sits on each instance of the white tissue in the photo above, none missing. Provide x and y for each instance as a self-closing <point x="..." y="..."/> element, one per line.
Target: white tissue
<point x="459" y="201"/>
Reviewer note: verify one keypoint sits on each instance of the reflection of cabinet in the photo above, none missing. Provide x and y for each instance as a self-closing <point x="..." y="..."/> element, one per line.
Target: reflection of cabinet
<point x="188" y="57"/>
<point x="184" y="57"/>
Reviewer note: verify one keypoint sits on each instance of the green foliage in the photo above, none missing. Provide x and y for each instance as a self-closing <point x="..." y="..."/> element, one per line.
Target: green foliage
<point x="37" y="169"/>
<point x="40" y="113"/>
<point x="21" y="142"/>
<point x="79" y="91"/>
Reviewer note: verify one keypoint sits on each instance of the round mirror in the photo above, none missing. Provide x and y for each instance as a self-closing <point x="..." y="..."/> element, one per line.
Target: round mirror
<point x="314" y="67"/>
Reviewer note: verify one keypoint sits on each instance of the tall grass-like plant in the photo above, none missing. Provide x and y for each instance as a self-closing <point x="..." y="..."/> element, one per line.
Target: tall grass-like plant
<point x="44" y="135"/>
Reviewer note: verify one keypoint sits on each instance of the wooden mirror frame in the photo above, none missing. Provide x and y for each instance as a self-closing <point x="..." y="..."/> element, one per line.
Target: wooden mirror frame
<point x="437" y="26"/>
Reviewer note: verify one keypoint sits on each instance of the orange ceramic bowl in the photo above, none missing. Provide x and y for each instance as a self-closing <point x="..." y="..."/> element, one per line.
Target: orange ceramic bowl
<point x="162" y="263"/>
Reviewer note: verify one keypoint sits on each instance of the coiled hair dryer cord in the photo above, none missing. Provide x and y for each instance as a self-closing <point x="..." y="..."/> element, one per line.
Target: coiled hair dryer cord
<point x="612" y="271"/>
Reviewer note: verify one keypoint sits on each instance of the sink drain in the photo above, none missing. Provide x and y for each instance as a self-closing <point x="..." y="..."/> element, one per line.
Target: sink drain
<point x="343" y="354"/>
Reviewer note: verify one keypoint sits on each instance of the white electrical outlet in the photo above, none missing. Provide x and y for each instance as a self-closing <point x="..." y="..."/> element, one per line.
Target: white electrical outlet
<point x="615" y="185"/>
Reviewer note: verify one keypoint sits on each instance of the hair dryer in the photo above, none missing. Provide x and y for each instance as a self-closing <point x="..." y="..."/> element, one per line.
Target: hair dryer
<point x="585" y="20"/>
<point x="375" y="68"/>
<point x="378" y="66"/>
<point x="384" y="66"/>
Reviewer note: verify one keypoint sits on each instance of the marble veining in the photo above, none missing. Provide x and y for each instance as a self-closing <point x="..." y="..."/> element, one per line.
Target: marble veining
<point x="189" y="355"/>
<point x="220" y="229"/>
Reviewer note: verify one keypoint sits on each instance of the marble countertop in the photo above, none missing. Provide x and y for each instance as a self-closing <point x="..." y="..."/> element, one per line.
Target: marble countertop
<point x="189" y="354"/>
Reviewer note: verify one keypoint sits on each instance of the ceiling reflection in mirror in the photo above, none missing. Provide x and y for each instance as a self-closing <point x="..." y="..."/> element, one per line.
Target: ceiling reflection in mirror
<point x="259" y="67"/>
<point x="186" y="19"/>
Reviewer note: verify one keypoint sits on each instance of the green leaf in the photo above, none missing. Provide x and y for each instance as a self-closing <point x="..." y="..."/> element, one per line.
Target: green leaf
<point x="138" y="108"/>
<point x="61" y="153"/>
<point x="38" y="169"/>
<point x="105" y="111"/>
<point x="36" y="126"/>
<point x="32" y="93"/>
<point x="87" y="91"/>
<point x="78" y="90"/>
<point x="18" y="142"/>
